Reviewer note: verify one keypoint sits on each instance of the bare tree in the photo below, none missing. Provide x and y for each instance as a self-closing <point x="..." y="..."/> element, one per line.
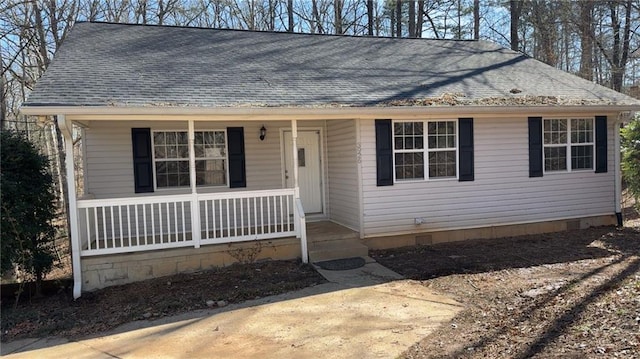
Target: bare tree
<point x="515" y="8"/>
<point x="476" y="19"/>
<point x="399" y="18"/>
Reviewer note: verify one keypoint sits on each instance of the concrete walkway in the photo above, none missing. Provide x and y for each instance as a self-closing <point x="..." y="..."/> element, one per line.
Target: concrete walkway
<point x="359" y="314"/>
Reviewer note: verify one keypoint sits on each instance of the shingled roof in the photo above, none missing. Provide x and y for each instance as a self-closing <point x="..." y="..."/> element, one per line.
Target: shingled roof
<point x="103" y="64"/>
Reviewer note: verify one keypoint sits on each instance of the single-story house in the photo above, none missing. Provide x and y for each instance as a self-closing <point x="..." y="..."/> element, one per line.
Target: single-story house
<point x="202" y="147"/>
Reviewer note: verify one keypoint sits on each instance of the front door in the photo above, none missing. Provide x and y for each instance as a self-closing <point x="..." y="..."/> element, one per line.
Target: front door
<point x="309" y="174"/>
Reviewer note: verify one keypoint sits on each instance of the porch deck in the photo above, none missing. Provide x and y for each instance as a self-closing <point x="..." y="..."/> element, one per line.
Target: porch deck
<point x="326" y="240"/>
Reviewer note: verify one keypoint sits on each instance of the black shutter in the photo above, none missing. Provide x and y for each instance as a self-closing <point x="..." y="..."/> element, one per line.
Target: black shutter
<point x="235" y="147"/>
<point x="384" y="153"/>
<point x="601" y="144"/>
<point x="465" y="130"/>
<point x="535" y="147"/>
<point x="142" y="160"/>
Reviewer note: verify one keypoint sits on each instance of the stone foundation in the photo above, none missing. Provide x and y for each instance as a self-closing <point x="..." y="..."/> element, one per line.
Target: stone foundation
<point x="107" y="270"/>
<point x="428" y="238"/>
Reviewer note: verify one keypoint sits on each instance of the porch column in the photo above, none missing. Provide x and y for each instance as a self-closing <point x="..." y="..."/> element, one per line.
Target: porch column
<point x="300" y="223"/>
<point x="195" y="206"/>
<point x="294" y="146"/>
<point x="67" y="132"/>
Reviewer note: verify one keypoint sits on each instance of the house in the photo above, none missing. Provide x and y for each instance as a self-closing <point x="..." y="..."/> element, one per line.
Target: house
<point x="203" y="147"/>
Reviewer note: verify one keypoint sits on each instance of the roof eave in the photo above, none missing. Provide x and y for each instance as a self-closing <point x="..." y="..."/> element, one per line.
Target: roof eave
<point x="262" y="113"/>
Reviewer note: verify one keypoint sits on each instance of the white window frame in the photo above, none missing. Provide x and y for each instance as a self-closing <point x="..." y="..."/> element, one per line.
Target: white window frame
<point x="569" y="145"/>
<point x="191" y="146"/>
<point x="426" y="150"/>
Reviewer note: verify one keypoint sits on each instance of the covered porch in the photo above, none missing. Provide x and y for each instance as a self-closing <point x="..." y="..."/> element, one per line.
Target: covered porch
<point x="109" y="218"/>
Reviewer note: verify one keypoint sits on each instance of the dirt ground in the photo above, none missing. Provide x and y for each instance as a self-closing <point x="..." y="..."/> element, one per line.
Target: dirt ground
<point x="105" y="309"/>
<point x="567" y="294"/>
<point x="572" y="294"/>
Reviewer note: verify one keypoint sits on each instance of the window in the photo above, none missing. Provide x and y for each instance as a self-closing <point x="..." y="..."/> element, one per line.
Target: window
<point x="568" y="144"/>
<point x="411" y="157"/>
<point x="171" y="158"/>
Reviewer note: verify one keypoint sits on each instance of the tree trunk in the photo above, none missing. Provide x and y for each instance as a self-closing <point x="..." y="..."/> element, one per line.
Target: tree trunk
<point x="420" y="18"/>
<point x="412" y="18"/>
<point x="337" y="7"/>
<point x="514" y="7"/>
<point x="586" y="39"/>
<point x="620" y="46"/>
<point x="290" y="15"/>
<point x="476" y="19"/>
<point x="399" y="18"/>
<point x="370" y="17"/>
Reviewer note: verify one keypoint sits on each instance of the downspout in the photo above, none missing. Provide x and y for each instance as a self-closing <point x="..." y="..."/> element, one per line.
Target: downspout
<point x="622" y="118"/>
<point x="67" y="132"/>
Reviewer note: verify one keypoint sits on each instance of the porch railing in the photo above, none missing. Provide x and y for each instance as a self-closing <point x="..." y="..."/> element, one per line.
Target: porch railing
<point x="121" y="225"/>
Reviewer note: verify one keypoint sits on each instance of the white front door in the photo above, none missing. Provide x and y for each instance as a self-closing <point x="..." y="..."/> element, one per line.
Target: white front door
<point x="309" y="174"/>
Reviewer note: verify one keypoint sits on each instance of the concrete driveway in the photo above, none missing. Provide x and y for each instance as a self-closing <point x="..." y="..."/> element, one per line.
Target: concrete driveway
<point x="360" y="314"/>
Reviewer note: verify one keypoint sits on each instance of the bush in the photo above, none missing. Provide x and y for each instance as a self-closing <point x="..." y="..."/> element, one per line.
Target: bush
<point x="630" y="141"/>
<point x="27" y="210"/>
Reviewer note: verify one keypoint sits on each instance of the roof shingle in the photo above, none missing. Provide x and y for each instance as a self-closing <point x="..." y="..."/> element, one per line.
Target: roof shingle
<point x="103" y="64"/>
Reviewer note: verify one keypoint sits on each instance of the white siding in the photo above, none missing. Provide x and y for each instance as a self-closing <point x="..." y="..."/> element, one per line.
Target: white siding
<point x="343" y="173"/>
<point x="502" y="192"/>
<point x="109" y="160"/>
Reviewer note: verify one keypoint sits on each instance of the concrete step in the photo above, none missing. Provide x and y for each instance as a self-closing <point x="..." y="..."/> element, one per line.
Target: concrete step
<point x="338" y="249"/>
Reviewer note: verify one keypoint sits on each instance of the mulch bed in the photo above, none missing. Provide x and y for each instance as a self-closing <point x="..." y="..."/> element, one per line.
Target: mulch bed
<point x="58" y="314"/>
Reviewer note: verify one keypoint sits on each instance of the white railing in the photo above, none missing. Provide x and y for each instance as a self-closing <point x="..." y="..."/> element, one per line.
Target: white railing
<point x="121" y="225"/>
<point x="242" y="216"/>
<point x="134" y="224"/>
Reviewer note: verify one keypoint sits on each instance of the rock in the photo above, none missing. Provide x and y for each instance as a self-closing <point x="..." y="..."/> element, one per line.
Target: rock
<point x="221" y="303"/>
<point x="210" y="303"/>
<point x="146" y="315"/>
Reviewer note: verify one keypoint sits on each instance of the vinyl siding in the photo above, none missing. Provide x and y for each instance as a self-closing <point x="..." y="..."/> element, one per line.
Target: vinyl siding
<point x="343" y="173"/>
<point x="109" y="161"/>
<point x="502" y="192"/>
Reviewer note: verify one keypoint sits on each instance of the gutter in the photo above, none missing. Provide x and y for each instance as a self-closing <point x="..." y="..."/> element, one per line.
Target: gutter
<point x="623" y="117"/>
<point x="316" y="113"/>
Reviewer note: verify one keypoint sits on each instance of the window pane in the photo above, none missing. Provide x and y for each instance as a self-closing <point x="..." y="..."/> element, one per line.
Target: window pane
<point x="397" y="128"/>
<point x="442" y="164"/>
<point x="409" y="166"/>
<point x="419" y="143"/>
<point x="555" y="158"/>
<point x="161" y="180"/>
<point x="219" y="136"/>
<point x="399" y="143"/>
<point x="555" y="131"/>
<point x="158" y="138"/>
<point x="408" y="143"/>
<point x="199" y="150"/>
<point x="182" y="138"/>
<point x="417" y="128"/>
<point x="199" y="138"/>
<point x="581" y="130"/>
<point x="211" y="173"/>
<point x="159" y="151"/>
<point x="171" y="152"/>
<point x="582" y="157"/>
<point x="171" y="138"/>
<point x="183" y="151"/>
<point x="161" y="167"/>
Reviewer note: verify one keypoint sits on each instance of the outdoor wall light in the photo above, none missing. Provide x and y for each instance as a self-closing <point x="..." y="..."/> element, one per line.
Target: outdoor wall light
<point x="263" y="133"/>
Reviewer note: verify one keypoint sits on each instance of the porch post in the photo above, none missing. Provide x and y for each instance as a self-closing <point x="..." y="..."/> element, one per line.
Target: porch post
<point x="195" y="206"/>
<point x="67" y="132"/>
<point x="300" y="223"/>
<point x="294" y="146"/>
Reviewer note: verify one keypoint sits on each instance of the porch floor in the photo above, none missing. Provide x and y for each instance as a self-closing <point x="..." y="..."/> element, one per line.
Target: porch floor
<point x="326" y="240"/>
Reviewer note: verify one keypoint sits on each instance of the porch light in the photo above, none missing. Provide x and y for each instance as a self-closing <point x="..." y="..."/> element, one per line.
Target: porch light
<point x="263" y="133"/>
